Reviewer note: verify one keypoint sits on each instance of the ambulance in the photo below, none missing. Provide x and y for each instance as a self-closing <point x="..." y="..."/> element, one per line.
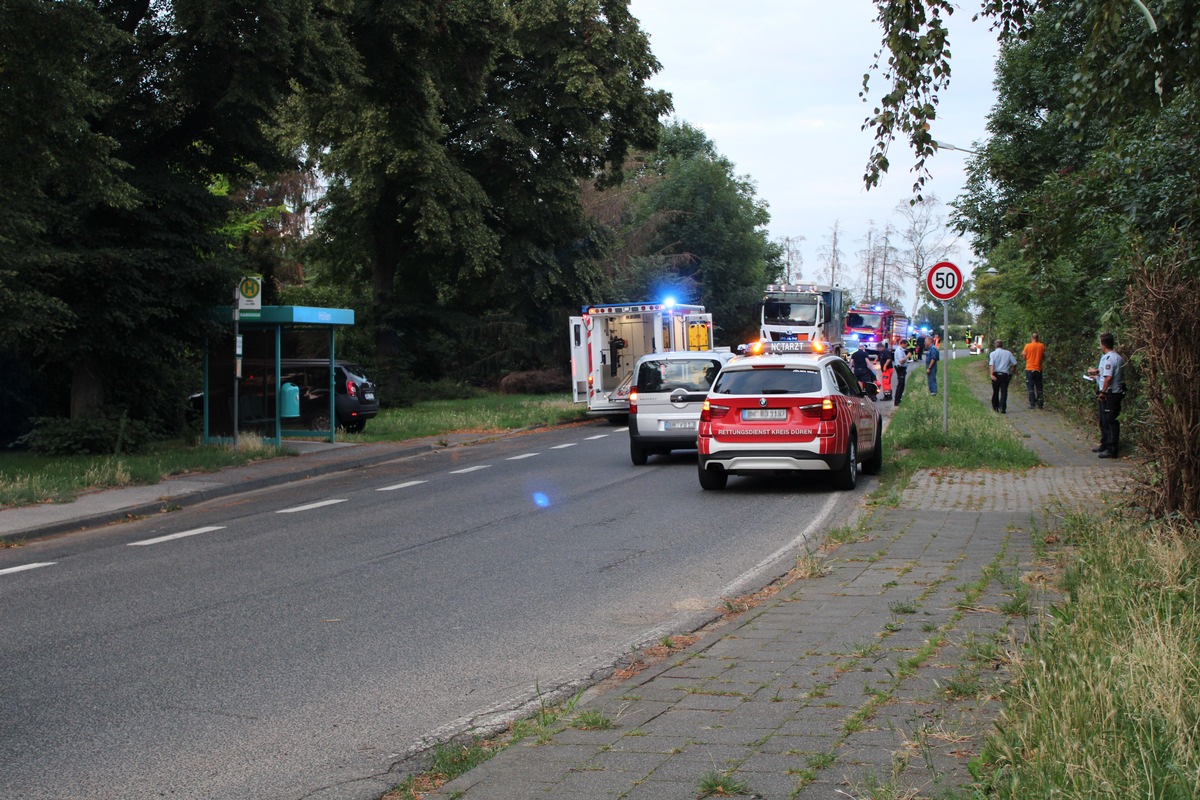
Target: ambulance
<point x="608" y="339"/>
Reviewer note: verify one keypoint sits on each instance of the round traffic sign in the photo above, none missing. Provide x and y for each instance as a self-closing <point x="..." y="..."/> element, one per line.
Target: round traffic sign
<point x="944" y="280"/>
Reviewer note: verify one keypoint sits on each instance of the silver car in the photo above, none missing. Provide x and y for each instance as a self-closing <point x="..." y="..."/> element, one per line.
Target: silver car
<point x="665" y="401"/>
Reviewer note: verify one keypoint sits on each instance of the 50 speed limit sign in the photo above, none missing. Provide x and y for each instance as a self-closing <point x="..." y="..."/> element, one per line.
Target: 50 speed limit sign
<point x="944" y="280"/>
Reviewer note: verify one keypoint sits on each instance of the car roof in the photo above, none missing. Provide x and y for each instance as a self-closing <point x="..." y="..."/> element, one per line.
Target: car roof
<point x="674" y="355"/>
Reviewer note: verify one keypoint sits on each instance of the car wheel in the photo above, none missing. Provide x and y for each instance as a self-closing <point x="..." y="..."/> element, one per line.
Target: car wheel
<point x="874" y="464"/>
<point x="637" y="455"/>
<point x="318" y="422"/>
<point x="713" y="478"/>
<point x="847" y="477"/>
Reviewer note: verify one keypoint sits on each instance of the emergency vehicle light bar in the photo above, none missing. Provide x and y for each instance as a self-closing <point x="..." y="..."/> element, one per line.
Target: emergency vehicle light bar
<point x="766" y="348"/>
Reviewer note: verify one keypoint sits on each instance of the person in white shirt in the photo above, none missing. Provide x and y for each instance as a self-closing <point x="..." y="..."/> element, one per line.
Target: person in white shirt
<point x="1110" y="390"/>
<point x="900" y="365"/>
<point x="1001" y="364"/>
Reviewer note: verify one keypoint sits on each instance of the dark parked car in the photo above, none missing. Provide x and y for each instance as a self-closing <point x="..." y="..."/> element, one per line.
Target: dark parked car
<point x="354" y="396"/>
<point x="355" y="399"/>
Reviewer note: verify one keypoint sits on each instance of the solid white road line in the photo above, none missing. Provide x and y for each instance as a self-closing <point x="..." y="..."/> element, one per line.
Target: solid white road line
<point x="310" y="506"/>
<point x="27" y="566"/>
<point x="524" y="455"/>
<point x="404" y="485"/>
<point x="601" y="436"/>
<point x="564" y="446"/>
<point x="469" y="469"/>
<point x="192" y="532"/>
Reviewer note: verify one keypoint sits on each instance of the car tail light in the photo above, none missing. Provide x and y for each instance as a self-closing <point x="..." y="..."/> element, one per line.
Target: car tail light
<point x="709" y="412"/>
<point x="633" y="402"/>
<point x="826" y="411"/>
<point x="352" y="388"/>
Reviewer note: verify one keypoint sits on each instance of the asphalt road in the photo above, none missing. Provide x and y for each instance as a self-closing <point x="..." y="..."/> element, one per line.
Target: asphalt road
<point x="296" y="642"/>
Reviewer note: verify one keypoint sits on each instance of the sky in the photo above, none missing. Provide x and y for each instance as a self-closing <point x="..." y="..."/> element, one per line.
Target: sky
<point x="775" y="85"/>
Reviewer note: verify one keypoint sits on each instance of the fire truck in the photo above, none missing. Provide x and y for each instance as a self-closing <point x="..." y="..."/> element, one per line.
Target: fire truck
<point x="607" y="340"/>
<point x="803" y="312"/>
<point x="873" y="324"/>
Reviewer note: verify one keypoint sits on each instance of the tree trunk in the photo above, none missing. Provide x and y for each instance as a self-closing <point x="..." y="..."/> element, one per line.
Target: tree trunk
<point x="87" y="387"/>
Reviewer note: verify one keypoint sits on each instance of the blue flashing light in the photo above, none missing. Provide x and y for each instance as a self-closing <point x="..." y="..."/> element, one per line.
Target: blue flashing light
<point x="879" y="308"/>
<point x="669" y="302"/>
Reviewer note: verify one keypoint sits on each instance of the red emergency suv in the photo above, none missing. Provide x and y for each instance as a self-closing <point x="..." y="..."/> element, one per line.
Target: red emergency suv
<point x="788" y="407"/>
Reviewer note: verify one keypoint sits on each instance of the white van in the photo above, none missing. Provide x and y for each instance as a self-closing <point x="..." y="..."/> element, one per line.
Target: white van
<point x="665" y="401"/>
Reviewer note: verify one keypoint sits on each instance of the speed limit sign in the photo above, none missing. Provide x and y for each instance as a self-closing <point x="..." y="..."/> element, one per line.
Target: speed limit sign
<point x="944" y="280"/>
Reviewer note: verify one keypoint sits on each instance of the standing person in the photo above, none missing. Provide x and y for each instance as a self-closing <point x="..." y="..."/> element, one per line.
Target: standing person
<point x="900" y="365"/>
<point x="883" y="357"/>
<point x="932" y="357"/>
<point x="1033" y="353"/>
<point x="1110" y="390"/>
<point x="1001" y="364"/>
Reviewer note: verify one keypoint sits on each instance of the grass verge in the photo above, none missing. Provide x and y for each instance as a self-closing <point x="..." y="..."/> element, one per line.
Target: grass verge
<point x="29" y="479"/>
<point x="1103" y="701"/>
<point x="972" y="436"/>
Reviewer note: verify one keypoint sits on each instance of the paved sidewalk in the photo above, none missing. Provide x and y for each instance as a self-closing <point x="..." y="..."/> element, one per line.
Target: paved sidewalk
<point x="877" y="679"/>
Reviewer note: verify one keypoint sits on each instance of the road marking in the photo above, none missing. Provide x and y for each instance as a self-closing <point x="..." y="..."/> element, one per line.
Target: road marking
<point x="524" y="455"/>
<point x="11" y="570"/>
<point x="404" y="485"/>
<point x="192" y="532"/>
<point x="564" y="446"/>
<point x="601" y="436"/>
<point x="310" y="506"/>
<point x="620" y="430"/>
<point x="469" y="469"/>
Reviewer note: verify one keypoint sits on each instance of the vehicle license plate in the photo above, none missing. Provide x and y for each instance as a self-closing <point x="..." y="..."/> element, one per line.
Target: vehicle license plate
<point x="763" y="414"/>
<point x="680" y="425"/>
<point x="369" y="397"/>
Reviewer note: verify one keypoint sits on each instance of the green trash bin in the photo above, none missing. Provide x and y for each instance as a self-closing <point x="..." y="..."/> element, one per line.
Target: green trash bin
<point x="289" y="400"/>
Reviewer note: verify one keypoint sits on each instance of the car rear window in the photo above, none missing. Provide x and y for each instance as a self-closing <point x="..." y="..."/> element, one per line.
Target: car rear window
<point x="667" y="375"/>
<point x="791" y="380"/>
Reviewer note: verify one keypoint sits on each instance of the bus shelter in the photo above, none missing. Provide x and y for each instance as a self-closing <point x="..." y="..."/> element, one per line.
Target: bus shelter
<point x="254" y="383"/>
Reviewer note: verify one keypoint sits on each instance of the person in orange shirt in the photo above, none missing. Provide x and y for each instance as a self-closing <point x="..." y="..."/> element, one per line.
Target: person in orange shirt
<point x="1033" y="353"/>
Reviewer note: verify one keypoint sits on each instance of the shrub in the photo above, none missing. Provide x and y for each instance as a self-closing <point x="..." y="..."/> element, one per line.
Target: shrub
<point x="102" y="433"/>
<point x="540" y="381"/>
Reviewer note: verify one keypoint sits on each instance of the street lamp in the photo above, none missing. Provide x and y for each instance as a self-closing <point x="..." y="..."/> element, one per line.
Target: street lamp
<point x="948" y="146"/>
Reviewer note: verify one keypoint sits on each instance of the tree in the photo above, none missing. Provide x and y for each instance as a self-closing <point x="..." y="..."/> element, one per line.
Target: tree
<point x="714" y="227"/>
<point x="926" y="237"/>
<point x="120" y="231"/>
<point x="831" y="254"/>
<point x="1124" y="67"/>
<point x="793" y="259"/>
<point x="456" y="159"/>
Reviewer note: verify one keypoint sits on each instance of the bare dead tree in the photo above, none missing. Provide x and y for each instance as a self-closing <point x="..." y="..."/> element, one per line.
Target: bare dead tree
<point x="793" y="258"/>
<point x="927" y="238"/>
<point x="831" y="254"/>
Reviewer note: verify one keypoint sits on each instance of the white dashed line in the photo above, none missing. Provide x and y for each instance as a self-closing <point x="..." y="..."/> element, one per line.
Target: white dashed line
<point x="601" y="436"/>
<point x="404" y="485"/>
<point x="564" y="446"/>
<point x="620" y="430"/>
<point x="524" y="455"/>
<point x="469" y="469"/>
<point x="11" y="570"/>
<point x="309" y="507"/>
<point x="182" y="535"/>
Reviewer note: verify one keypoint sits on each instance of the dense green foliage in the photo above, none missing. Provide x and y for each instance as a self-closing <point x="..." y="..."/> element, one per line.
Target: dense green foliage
<point x="447" y="152"/>
<point x="1089" y="175"/>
